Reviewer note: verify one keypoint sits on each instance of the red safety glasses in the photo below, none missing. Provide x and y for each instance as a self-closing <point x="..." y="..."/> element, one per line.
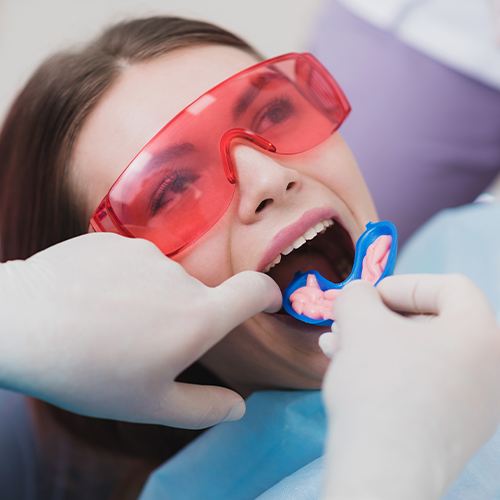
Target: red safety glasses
<point x="183" y="180"/>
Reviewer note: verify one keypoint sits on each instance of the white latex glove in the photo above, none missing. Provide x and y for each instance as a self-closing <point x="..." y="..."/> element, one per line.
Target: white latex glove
<point x="409" y="398"/>
<point x="102" y="325"/>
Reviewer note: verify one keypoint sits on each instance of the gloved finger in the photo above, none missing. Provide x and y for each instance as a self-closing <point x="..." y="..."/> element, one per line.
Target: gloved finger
<point x="230" y="304"/>
<point x="329" y="344"/>
<point x="192" y="406"/>
<point x="429" y="293"/>
<point x="244" y="295"/>
<point x="357" y="310"/>
<point x="358" y="300"/>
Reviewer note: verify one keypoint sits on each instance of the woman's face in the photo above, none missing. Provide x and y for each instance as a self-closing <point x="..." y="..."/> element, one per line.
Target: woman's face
<point x="277" y="198"/>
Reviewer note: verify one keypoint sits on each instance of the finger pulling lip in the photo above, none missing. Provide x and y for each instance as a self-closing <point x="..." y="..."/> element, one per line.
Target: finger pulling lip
<point x="290" y="233"/>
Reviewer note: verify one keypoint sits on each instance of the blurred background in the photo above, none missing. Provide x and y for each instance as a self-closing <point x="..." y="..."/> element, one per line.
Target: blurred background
<point x="32" y="29"/>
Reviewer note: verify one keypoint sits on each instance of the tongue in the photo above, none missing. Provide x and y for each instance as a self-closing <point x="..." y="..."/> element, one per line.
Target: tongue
<point x="299" y="261"/>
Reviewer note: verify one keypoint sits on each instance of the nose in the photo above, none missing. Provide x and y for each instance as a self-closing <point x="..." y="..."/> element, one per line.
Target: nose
<point x="263" y="182"/>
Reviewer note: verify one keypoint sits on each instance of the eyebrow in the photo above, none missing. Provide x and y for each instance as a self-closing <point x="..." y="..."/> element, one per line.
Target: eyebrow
<point x="249" y="96"/>
<point x="170" y="153"/>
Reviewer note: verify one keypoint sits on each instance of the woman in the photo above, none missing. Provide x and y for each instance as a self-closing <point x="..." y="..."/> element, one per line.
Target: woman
<point x="84" y="116"/>
<point x="72" y="130"/>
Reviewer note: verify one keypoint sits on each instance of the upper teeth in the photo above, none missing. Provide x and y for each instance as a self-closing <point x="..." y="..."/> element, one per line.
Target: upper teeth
<point x="320" y="227"/>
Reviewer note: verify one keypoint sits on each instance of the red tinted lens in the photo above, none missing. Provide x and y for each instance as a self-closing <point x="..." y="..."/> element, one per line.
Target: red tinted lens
<point x="176" y="189"/>
<point x="299" y="107"/>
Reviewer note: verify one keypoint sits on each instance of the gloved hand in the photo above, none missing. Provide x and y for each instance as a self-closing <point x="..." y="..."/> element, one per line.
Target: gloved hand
<point x="409" y="398"/>
<point x="102" y="325"/>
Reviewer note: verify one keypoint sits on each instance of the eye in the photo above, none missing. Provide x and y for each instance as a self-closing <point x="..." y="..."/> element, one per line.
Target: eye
<point x="275" y="113"/>
<point x="171" y="189"/>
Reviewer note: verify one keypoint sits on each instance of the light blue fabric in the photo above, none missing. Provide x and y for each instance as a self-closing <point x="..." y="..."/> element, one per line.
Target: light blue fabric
<point x="281" y="432"/>
<point x="275" y="451"/>
<point x="305" y="484"/>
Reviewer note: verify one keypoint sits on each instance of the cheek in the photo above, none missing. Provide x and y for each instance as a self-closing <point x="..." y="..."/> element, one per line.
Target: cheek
<point x="209" y="259"/>
<point x="341" y="174"/>
<point x="336" y="168"/>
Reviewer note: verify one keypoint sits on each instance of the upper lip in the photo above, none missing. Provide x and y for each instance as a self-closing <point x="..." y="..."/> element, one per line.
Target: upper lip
<point x="290" y="233"/>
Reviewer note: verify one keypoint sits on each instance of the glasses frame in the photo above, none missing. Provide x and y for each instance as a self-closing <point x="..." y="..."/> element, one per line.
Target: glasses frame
<point x="104" y="218"/>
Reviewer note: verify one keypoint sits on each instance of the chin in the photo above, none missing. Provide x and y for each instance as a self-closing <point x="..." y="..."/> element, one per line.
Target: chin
<point x="265" y="353"/>
<point x="291" y="353"/>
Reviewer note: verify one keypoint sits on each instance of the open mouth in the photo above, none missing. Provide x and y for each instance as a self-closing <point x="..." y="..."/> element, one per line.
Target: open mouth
<point x="327" y="248"/>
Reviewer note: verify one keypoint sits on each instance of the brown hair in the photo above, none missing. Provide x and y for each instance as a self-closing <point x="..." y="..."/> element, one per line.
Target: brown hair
<point x="37" y="208"/>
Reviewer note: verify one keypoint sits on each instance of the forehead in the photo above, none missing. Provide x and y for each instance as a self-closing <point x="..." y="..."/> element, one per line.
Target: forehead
<point x="145" y="97"/>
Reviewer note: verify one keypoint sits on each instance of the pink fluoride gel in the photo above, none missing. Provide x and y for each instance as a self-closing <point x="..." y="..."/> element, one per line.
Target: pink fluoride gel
<point x="311" y="301"/>
<point x="315" y="303"/>
<point x="376" y="259"/>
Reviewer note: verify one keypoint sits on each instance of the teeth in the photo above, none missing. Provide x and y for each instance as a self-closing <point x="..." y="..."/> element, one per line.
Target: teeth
<point x="310" y="234"/>
<point x="320" y="227"/>
<point x="298" y="242"/>
<point x="277" y="260"/>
